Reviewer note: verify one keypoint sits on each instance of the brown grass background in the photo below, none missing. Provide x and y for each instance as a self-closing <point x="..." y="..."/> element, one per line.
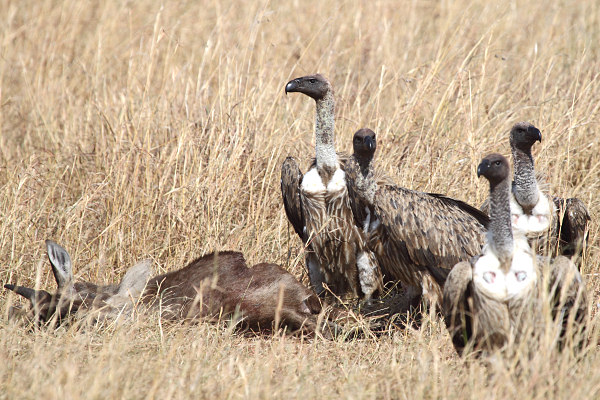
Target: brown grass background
<point x="134" y="129"/>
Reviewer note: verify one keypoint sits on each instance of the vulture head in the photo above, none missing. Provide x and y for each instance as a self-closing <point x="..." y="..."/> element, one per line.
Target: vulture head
<point x="494" y="167"/>
<point x="523" y="136"/>
<point x="364" y="143"/>
<point x="315" y="86"/>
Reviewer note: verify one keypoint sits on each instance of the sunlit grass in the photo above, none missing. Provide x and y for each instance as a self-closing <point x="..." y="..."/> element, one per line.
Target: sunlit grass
<point x="131" y="130"/>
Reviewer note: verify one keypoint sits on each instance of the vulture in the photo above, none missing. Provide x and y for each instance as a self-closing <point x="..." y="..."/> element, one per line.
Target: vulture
<point x="551" y="223"/>
<point x="495" y="299"/>
<point x="318" y="207"/>
<point x="413" y="234"/>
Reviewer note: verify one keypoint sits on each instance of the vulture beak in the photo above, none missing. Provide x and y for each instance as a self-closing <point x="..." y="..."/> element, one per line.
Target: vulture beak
<point x="482" y="168"/>
<point x="370" y="143"/>
<point x="535" y="132"/>
<point x="292" y="86"/>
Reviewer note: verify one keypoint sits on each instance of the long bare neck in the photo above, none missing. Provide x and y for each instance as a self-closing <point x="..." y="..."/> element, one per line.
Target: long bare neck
<point x="524" y="186"/>
<point x="326" y="156"/>
<point x="500" y="229"/>
<point x="365" y="179"/>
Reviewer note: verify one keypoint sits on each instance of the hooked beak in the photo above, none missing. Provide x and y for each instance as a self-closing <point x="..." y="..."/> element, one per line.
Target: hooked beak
<point x="292" y="86"/>
<point x="370" y="143"/>
<point x="536" y="132"/>
<point x="482" y="168"/>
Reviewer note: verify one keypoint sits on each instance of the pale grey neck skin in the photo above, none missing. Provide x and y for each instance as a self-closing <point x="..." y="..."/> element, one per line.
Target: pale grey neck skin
<point x="326" y="156"/>
<point x="365" y="181"/>
<point x="500" y="227"/>
<point x="524" y="186"/>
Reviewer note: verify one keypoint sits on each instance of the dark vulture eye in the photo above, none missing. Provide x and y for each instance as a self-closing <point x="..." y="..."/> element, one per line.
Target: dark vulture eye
<point x="373" y="137"/>
<point x="358" y="139"/>
<point x="312" y="80"/>
<point x="497" y="163"/>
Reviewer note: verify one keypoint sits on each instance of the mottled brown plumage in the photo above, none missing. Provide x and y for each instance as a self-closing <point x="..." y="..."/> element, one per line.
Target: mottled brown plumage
<point x="317" y="206"/>
<point x="479" y="323"/>
<point x="499" y="298"/>
<point x="570" y="227"/>
<point x="476" y="301"/>
<point x="553" y="225"/>
<point x="411" y="233"/>
<point x="568" y="297"/>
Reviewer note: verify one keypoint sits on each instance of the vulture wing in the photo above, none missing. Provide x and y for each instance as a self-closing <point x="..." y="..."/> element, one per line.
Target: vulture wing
<point x="456" y="307"/>
<point x="573" y="219"/>
<point x="570" y="299"/>
<point x="419" y="231"/>
<point x="291" y="178"/>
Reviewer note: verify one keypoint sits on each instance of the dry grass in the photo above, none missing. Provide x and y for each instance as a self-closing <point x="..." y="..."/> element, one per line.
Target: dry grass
<point x="130" y="130"/>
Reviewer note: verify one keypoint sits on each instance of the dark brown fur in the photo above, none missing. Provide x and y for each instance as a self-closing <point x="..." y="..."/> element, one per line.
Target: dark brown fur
<point x="222" y="284"/>
<point x="216" y="286"/>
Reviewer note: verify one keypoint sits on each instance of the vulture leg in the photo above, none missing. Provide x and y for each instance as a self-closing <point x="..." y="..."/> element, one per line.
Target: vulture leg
<point x="315" y="273"/>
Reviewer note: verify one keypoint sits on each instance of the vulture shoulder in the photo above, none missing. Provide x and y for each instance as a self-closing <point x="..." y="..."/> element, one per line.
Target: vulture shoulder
<point x="478" y="214"/>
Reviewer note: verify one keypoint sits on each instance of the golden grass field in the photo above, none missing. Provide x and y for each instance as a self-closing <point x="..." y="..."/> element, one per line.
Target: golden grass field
<point x="133" y="130"/>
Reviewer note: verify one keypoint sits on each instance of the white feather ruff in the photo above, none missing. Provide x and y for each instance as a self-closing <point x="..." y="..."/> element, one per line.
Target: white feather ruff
<point x="539" y="219"/>
<point x="337" y="182"/>
<point x="312" y="182"/>
<point x="491" y="280"/>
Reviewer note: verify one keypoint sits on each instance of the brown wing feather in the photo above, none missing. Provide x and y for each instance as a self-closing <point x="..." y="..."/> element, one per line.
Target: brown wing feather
<point x="334" y="240"/>
<point x="572" y="225"/>
<point x="291" y="177"/>
<point x="570" y="298"/>
<point x="456" y="305"/>
<point x="478" y="214"/>
<point x="423" y="232"/>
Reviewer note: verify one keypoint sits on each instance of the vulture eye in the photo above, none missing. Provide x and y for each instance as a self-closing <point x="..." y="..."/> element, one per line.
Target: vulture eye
<point x="497" y="163"/>
<point x="521" y="275"/>
<point x="357" y="139"/>
<point x="373" y="137"/>
<point x="312" y="80"/>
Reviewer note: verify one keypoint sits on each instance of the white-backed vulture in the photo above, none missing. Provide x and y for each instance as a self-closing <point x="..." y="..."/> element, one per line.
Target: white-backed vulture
<point x="318" y="208"/>
<point x="413" y="234"/>
<point x="551" y="224"/>
<point x="496" y="299"/>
